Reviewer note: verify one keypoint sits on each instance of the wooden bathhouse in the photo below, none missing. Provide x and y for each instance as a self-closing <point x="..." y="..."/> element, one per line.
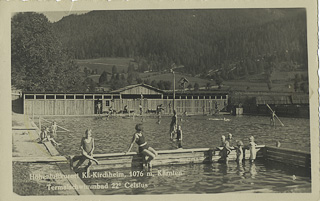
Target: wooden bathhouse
<point x="131" y="98"/>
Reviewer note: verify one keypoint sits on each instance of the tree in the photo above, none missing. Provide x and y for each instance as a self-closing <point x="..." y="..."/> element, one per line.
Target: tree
<point x="196" y="86"/>
<point x="39" y="62"/>
<point x="114" y="70"/>
<point x="103" y="79"/>
<point x="154" y="83"/>
<point x="139" y="80"/>
<point x="208" y="85"/>
<point x="219" y="81"/>
<point x="190" y="86"/>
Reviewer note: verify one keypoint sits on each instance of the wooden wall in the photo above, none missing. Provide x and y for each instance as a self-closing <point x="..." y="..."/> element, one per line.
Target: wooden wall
<point x="86" y="106"/>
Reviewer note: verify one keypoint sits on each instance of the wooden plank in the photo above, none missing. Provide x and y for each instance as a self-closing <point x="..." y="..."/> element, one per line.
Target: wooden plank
<point x="287" y="161"/>
<point x="74" y="181"/>
<point x="290" y="155"/>
<point x="40" y="159"/>
<point x="24" y="128"/>
<point x="287" y="150"/>
<point x="52" y="150"/>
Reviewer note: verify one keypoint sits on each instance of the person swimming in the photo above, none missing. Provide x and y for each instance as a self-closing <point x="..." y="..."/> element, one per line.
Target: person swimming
<point x="144" y="148"/>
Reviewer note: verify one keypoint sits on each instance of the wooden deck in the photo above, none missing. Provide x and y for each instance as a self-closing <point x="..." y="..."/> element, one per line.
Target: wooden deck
<point x="165" y="157"/>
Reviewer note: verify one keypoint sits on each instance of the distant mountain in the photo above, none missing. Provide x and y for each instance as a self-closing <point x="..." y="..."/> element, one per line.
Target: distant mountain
<point x="236" y="41"/>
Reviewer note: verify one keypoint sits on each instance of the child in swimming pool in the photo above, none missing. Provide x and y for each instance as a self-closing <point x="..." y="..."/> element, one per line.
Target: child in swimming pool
<point x="54" y="128"/>
<point x="239" y="150"/>
<point x="225" y="149"/>
<point x="179" y="137"/>
<point x="252" y="148"/>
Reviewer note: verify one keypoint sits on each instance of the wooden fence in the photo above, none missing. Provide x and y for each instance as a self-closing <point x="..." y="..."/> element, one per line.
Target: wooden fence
<point x="87" y="104"/>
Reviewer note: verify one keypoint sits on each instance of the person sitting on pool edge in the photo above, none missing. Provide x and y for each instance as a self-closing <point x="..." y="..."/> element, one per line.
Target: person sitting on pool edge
<point x="144" y="148"/>
<point x="87" y="147"/>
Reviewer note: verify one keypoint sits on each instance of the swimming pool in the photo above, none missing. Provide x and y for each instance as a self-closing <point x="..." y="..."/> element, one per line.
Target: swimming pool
<point x="114" y="135"/>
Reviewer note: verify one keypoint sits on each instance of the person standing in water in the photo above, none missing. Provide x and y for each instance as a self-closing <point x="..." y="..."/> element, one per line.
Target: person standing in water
<point x="87" y="148"/>
<point x="179" y="137"/>
<point x="272" y="119"/>
<point x="225" y="151"/>
<point x="239" y="150"/>
<point x="252" y="149"/>
<point x="144" y="148"/>
<point x="173" y="124"/>
<point x="54" y="128"/>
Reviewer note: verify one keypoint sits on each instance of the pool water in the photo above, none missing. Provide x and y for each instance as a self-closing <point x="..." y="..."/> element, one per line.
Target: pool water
<point x="208" y="178"/>
<point x="114" y="135"/>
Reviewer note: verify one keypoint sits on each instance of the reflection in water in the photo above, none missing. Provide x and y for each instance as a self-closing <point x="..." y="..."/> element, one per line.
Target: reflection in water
<point x="253" y="170"/>
<point x="115" y="134"/>
<point x="240" y="170"/>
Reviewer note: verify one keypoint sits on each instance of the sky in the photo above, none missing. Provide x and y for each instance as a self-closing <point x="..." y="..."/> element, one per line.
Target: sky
<point x="56" y="16"/>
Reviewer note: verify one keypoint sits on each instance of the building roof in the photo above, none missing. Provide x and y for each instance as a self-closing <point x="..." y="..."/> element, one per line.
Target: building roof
<point x="136" y="85"/>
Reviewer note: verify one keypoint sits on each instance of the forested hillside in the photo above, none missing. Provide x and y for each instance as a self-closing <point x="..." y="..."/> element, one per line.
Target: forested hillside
<point x="236" y="42"/>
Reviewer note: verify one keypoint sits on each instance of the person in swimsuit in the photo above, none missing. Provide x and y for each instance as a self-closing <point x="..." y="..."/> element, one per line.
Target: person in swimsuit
<point x="252" y="148"/>
<point x="87" y="147"/>
<point x="99" y="108"/>
<point x="54" y="128"/>
<point x="43" y="134"/>
<point x="272" y="119"/>
<point x="144" y="148"/>
<point x="179" y="137"/>
<point x="239" y="150"/>
<point x="225" y="150"/>
<point x="173" y="124"/>
<point x="229" y="139"/>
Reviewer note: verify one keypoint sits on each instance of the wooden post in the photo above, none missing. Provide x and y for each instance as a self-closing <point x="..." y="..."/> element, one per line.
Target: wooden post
<point x="65" y="104"/>
<point x="40" y="123"/>
<point x="174" y="90"/>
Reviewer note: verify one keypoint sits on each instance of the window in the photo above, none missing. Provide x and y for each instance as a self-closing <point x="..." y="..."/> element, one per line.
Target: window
<point x="29" y="97"/>
<point x="70" y="97"/>
<point x="152" y="96"/>
<point x="39" y="96"/>
<point x="88" y="97"/>
<point x="131" y="96"/>
<point x="79" y="96"/>
<point x="59" y="96"/>
<point x="98" y="97"/>
<point x="49" y="96"/>
<point x="107" y="97"/>
<point x="107" y="103"/>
